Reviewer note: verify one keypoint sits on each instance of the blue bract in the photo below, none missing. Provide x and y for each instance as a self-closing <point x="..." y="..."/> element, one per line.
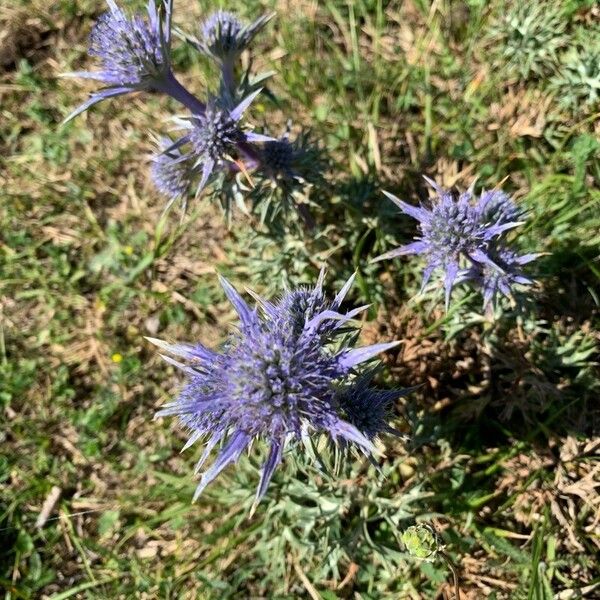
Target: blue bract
<point x="463" y="237"/>
<point x="215" y="137"/>
<point x="369" y="409"/>
<point x="278" y="378"/>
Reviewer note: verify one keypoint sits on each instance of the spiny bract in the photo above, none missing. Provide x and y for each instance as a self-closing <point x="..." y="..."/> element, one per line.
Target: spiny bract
<point x="277" y="378"/>
<point x="171" y="172"/>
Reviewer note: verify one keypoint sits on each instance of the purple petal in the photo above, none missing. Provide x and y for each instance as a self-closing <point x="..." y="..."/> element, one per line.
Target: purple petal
<point x="451" y="272"/>
<point x="333" y="315"/>
<point x="240" y="109"/>
<point x="113" y="7"/>
<point x="337" y="301"/>
<point x="429" y="269"/>
<point x="258" y="137"/>
<point x="230" y="453"/>
<point x="179" y="365"/>
<point x="269" y="467"/>
<point x="414" y="211"/>
<point x="527" y="258"/>
<point x="152" y="15"/>
<point x="495" y="230"/>
<point x="212" y="442"/>
<point x="360" y="355"/>
<point x="352" y="434"/>
<point x="523" y="280"/>
<point x="412" y="248"/>
<point x="193" y="439"/>
<point x="438" y="188"/>
<point x="95" y="75"/>
<point x="267" y="306"/>
<point x="247" y="316"/>
<point x="168" y="6"/>
<point x="481" y="257"/>
<point x="97" y="97"/>
<point x="184" y="350"/>
<point x="207" y="169"/>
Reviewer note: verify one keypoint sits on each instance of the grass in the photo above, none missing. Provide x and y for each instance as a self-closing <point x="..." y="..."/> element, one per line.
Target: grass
<point x="502" y="457"/>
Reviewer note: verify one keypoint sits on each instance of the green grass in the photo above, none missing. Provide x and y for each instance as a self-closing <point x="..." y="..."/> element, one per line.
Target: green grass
<point x="502" y="457"/>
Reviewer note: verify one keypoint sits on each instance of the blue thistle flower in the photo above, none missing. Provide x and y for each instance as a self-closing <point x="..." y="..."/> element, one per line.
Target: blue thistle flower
<point x="369" y="409"/>
<point x="215" y="136"/>
<point x="501" y="278"/>
<point x="289" y="161"/>
<point x="275" y="379"/>
<point x="134" y="53"/>
<point x="171" y="172"/>
<point x="277" y="158"/>
<point x="456" y="233"/>
<point x="497" y="207"/>
<point x="224" y="37"/>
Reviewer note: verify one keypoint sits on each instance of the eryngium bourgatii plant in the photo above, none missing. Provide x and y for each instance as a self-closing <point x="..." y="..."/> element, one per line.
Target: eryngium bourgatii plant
<point x="465" y="238"/>
<point x="288" y="372"/>
<point x="216" y="147"/>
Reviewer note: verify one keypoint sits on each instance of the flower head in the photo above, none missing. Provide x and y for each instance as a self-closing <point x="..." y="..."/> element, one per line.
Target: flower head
<point x="171" y="171"/>
<point x="458" y="235"/>
<point x="224" y="37"/>
<point x="277" y="158"/>
<point x="133" y="52"/>
<point x="503" y="276"/>
<point x="369" y="409"/>
<point x="216" y="136"/>
<point x="275" y="379"/>
<point x="498" y="208"/>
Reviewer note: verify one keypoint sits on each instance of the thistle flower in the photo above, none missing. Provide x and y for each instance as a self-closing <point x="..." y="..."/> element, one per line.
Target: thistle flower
<point x="369" y="409"/>
<point x="134" y="53"/>
<point x="171" y="172"/>
<point x="215" y="136"/>
<point x="453" y="232"/>
<point x="275" y="379"/>
<point x="288" y="161"/>
<point x="277" y="158"/>
<point x="497" y="207"/>
<point x="501" y="278"/>
<point x="224" y="37"/>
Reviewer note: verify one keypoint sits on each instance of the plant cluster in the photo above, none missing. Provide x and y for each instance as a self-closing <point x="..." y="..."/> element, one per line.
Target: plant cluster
<point x="537" y="40"/>
<point x="290" y="370"/>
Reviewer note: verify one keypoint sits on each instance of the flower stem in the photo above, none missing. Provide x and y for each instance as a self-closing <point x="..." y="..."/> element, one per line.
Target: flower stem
<point x="176" y="90"/>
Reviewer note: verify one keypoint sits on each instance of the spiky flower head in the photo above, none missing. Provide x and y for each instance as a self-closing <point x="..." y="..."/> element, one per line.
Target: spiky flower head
<point x="133" y="52"/>
<point x="497" y="207"/>
<point x="369" y="409"/>
<point x="224" y="37"/>
<point x="278" y="158"/>
<point x="216" y="137"/>
<point x="171" y="171"/>
<point x="502" y="276"/>
<point x="529" y="37"/>
<point x="460" y="236"/>
<point x="276" y="379"/>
